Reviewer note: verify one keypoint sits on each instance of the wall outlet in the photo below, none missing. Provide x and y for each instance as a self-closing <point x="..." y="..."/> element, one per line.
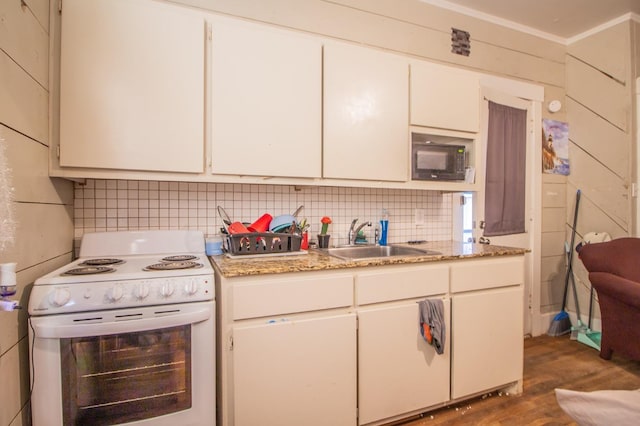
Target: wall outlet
<point x="419" y="216"/>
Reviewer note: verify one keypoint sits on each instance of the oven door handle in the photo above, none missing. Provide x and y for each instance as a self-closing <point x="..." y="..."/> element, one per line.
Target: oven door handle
<point x="58" y="331"/>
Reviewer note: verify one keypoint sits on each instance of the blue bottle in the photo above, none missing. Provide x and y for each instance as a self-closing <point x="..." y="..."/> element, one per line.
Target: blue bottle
<point x="384" y="228"/>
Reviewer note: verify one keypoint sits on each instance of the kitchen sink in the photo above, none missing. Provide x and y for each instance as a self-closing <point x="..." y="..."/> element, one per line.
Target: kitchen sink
<point x="374" y="252"/>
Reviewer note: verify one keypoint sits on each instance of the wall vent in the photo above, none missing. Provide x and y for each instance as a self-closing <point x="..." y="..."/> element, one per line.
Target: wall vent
<point x="460" y="42"/>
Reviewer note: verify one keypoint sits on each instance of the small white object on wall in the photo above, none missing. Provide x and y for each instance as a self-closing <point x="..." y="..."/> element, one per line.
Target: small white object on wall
<point x="554" y="106"/>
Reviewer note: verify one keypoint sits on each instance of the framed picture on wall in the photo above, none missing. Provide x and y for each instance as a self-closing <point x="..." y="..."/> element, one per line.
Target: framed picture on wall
<point x="555" y="147"/>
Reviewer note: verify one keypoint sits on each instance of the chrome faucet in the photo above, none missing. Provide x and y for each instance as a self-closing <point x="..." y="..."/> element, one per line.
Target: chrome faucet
<point x="353" y="231"/>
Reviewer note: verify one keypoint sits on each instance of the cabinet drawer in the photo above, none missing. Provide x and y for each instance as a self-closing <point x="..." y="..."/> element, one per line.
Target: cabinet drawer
<point x="288" y="295"/>
<point x="480" y="274"/>
<point x="402" y="283"/>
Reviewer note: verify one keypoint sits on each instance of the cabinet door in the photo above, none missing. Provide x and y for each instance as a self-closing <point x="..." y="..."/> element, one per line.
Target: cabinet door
<point x="366" y="132"/>
<point x="266" y="101"/>
<point x="444" y="97"/>
<point x="398" y="372"/>
<point x="132" y="86"/>
<point x="299" y="372"/>
<point x="487" y="341"/>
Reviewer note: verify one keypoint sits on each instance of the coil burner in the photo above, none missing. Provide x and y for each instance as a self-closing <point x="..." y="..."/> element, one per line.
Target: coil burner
<point x="101" y="262"/>
<point x="166" y="266"/>
<point x="89" y="270"/>
<point x="179" y="258"/>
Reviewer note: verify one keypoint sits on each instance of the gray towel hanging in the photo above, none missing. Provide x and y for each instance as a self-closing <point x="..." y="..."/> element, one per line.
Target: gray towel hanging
<point x="431" y="323"/>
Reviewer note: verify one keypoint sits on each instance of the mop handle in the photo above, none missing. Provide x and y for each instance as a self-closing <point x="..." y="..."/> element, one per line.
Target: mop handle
<point x="575" y="293"/>
<point x="590" y="305"/>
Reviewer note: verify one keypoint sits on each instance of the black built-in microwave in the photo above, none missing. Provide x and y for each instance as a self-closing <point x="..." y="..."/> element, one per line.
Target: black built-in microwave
<point x="436" y="161"/>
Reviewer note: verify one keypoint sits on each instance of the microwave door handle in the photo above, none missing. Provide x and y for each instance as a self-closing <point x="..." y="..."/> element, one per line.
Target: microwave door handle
<point x="49" y="331"/>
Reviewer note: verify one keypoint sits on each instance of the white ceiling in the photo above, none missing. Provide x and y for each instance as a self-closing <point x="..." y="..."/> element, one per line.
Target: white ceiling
<point x="560" y="19"/>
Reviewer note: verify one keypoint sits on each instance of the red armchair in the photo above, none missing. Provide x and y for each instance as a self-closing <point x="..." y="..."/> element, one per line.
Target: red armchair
<point x="614" y="272"/>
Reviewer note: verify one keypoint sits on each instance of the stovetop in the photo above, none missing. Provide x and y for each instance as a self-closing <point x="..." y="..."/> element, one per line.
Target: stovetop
<point x="88" y="270"/>
<point x="123" y="269"/>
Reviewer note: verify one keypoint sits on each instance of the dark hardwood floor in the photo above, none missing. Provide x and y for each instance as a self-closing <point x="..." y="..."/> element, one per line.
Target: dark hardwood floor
<point x="550" y="363"/>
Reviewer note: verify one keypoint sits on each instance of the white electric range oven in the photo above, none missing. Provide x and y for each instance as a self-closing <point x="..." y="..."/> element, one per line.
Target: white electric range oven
<point x="125" y="335"/>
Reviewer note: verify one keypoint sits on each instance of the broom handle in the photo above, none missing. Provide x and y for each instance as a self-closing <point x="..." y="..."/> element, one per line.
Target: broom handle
<point x="566" y="288"/>
<point x="570" y="257"/>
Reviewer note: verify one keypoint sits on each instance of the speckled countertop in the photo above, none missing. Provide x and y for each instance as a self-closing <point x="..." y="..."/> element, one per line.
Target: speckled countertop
<point x="315" y="260"/>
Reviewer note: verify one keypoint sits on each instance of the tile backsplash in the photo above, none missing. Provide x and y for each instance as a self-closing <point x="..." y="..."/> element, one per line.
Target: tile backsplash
<point x="122" y="205"/>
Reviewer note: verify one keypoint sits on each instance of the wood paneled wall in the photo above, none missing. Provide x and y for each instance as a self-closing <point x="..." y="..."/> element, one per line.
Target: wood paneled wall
<point x="411" y="27"/>
<point x="600" y="97"/>
<point x="42" y="206"/>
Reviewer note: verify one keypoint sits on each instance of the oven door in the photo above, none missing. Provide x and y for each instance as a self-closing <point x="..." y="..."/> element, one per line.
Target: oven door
<point x="145" y="366"/>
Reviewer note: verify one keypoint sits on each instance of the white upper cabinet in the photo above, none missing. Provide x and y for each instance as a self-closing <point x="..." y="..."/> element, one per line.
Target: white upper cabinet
<point x="132" y="86"/>
<point x="366" y="114"/>
<point x="266" y="101"/>
<point x="444" y="97"/>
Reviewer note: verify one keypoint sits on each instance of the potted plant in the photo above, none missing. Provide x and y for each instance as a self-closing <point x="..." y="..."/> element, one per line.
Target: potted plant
<point x="323" y="237"/>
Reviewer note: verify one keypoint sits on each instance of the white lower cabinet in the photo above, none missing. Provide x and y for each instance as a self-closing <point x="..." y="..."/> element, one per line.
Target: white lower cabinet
<point x="398" y="372"/>
<point x="295" y="372"/>
<point x="487" y="313"/>
<point x="487" y="346"/>
<point x="288" y="350"/>
<point x="344" y="347"/>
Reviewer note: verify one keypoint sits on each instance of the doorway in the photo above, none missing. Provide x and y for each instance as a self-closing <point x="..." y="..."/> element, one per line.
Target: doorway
<point x="463" y="217"/>
<point x="530" y="238"/>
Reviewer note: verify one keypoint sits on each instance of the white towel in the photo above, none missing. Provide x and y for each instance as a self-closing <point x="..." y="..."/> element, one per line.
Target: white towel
<point x="601" y="408"/>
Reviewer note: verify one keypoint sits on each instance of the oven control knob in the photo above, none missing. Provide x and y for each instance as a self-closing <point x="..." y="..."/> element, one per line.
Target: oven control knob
<point x="115" y="293"/>
<point x="191" y="287"/>
<point x="59" y="297"/>
<point x="141" y="291"/>
<point x="167" y="289"/>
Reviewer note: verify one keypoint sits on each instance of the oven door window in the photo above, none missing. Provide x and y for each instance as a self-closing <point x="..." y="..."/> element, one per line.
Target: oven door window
<point x="127" y="377"/>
